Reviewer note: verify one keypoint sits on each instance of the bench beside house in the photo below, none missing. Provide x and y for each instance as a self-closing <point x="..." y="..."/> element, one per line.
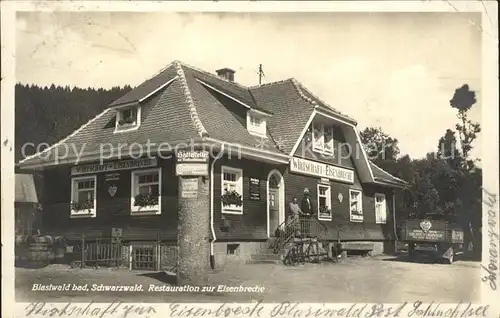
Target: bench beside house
<point x="272" y="141"/>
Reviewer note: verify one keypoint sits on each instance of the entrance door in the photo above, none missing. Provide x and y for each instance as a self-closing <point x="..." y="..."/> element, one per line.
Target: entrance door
<point x="274" y="210"/>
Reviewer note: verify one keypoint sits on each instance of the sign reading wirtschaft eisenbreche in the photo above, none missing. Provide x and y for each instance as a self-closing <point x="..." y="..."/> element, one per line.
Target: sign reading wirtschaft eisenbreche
<point x="114" y="165"/>
<point x="322" y="170"/>
<point x="192" y="163"/>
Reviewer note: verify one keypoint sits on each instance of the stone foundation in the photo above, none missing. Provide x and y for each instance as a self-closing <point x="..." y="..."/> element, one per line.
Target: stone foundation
<point x="235" y="252"/>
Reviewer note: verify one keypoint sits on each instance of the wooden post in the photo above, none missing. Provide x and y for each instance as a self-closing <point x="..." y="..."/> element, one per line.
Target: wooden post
<point x="193" y="231"/>
<point x="82" y="265"/>
<point x="158" y="252"/>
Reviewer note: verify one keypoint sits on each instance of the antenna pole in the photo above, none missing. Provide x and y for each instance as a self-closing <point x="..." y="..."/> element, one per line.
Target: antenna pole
<point x="261" y="74"/>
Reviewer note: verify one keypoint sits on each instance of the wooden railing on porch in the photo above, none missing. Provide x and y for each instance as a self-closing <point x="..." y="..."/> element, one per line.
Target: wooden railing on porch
<point x="302" y="227"/>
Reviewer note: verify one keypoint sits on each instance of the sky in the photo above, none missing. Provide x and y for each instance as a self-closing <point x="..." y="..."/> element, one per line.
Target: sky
<point x="396" y="71"/>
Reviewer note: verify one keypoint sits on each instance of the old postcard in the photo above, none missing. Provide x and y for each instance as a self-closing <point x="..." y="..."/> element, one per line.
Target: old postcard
<point x="250" y="159"/>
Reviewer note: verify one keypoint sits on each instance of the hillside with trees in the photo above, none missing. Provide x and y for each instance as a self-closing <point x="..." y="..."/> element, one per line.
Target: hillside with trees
<point x="45" y="115"/>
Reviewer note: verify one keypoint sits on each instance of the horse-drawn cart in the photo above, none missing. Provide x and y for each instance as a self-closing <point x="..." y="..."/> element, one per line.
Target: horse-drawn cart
<point x="432" y="236"/>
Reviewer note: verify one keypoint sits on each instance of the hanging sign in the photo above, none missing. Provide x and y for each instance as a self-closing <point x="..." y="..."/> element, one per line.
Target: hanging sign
<point x="322" y="170"/>
<point x="191" y="169"/>
<point x="192" y="163"/>
<point x="189" y="188"/>
<point x="113" y="166"/>
<point x="324" y="181"/>
<point x="112" y="176"/>
<point x="192" y="156"/>
<point x="254" y="189"/>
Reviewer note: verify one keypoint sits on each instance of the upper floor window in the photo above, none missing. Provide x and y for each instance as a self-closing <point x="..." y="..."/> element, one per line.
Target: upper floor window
<point x="323" y="138"/>
<point x="83" y="196"/>
<point x="256" y="125"/>
<point x="128" y="118"/>
<point x="232" y="190"/>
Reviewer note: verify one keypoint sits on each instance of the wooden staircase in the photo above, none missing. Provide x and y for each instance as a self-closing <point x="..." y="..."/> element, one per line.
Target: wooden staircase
<point x="300" y="237"/>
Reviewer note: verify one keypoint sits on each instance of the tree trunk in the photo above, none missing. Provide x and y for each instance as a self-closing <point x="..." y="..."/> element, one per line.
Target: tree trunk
<point x="193" y="228"/>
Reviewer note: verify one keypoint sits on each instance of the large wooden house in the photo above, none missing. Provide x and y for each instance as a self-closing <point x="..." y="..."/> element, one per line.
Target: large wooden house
<point x="274" y="140"/>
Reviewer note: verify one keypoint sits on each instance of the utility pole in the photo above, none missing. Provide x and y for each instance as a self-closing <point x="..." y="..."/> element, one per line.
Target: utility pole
<point x="261" y="74"/>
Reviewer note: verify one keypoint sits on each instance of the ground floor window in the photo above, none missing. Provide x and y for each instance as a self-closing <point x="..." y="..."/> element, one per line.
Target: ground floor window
<point x="324" y="202"/>
<point x="232" y="190"/>
<point x="83" y="196"/>
<point x="380" y="208"/>
<point x="355" y="206"/>
<point x="146" y="194"/>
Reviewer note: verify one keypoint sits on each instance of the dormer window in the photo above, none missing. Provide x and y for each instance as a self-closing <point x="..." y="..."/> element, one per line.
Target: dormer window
<point x="128" y="118"/>
<point x="256" y="124"/>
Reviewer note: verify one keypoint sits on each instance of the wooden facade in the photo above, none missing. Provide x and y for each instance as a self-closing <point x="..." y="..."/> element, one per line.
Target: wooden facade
<point x="272" y="125"/>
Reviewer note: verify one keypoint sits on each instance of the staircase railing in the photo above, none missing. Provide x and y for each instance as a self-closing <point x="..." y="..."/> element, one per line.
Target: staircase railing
<point x="284" y="233"/>
<point x="304" y="226"/>
<point x="310" y="226"/>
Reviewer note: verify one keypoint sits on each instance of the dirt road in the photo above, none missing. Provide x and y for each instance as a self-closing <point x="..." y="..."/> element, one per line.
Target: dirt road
<point x="353" y="280"/>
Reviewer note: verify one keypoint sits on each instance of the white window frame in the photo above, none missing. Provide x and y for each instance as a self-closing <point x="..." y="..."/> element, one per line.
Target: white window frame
<point x="239" y="188"/>
<point x="381" y="216"/>
<point x="91" y="213"/>
<point x="148" y="210"/>
<point x="354" y="217"/>
<point x="127" y="127"/>
<point x="328" y="199"/>
<point x="257" y="130"/>
<point x="319" y="146"/>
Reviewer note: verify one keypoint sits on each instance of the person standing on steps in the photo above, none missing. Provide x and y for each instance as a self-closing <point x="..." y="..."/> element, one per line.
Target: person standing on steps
<point x="294" y="214"/>
<point x="308" y="210"/>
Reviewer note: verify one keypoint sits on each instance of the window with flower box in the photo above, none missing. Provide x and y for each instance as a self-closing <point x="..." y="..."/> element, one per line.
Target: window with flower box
<point x="232" y="190"/>
<point x="380" y="208"/>
<point x="324" y="203"/>
<point x="323" y="138"/>
<point x="146" y="192"/>
<point x="83" y="196"/>
<point x="355" y="205"/>
<point x="128" y="119"/>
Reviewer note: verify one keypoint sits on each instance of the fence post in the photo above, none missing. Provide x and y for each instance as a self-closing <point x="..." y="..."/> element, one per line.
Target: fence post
<point x="158" y="252"/>
<point x="82" y="265"/>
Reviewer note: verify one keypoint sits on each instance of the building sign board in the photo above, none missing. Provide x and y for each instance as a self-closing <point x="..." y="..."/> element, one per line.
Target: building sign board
<point x="254" y="189"/>
<point x="114" y="165"/>
<point x="318" y="169"/>
<point x="112" y="176"/>
<point x="191" y="169"/>
<point x="192" y="156"/>
<point x="189" y="188"/>
<point x="421" y="235"/>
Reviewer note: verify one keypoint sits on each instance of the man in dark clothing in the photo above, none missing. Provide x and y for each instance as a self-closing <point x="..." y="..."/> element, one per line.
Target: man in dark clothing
<point x="308" y="209"/>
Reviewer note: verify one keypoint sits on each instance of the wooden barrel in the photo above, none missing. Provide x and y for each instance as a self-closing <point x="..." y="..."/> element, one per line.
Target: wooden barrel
<point x="47" y="239"/>
<point x="60" y="241"/>
<point x="37" y="251"/>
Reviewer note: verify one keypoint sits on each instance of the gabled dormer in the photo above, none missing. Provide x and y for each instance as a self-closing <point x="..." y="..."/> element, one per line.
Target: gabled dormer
<point x="257" y="122"/>
<point x="128" y="118"/>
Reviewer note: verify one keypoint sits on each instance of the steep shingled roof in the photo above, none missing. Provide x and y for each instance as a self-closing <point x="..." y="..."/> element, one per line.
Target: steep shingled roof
<point x="179" y="105"/>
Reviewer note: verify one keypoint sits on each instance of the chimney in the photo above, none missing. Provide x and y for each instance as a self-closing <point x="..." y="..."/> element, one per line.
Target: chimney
<point x="226" y="73"/>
